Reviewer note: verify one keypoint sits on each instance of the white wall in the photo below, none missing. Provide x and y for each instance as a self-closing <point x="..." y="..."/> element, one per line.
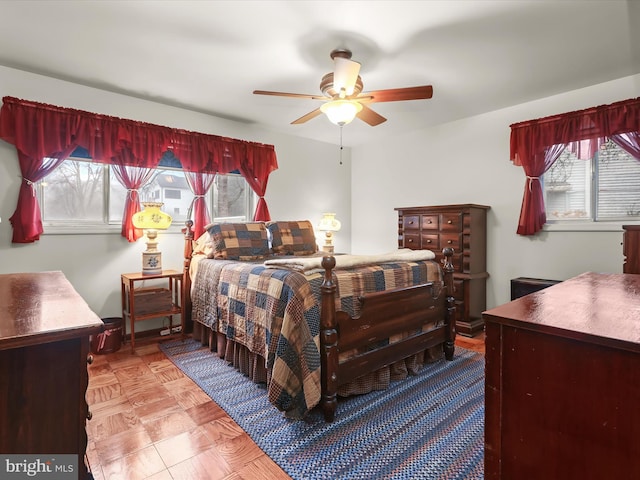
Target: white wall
<point x="309" y="181"/>
<point x="468" y="162"/>
<point x="461" y="162"/>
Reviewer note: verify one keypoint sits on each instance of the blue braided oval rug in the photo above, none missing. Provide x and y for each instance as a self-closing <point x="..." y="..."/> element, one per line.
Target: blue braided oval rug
<point x="428" y="426"/>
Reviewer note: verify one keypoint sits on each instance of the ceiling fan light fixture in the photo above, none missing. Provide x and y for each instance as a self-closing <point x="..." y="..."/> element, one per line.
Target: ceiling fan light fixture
<point x="342" y="90"/>
<point x="341" y="112"/>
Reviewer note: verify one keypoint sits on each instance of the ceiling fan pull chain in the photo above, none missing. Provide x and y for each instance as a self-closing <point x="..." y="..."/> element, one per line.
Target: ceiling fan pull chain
<point x="341" y="148"/>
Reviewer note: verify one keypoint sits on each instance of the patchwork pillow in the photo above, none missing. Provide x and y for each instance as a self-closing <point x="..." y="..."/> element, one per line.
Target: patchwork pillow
<point x="292" y="238"/>
<point x="239" y="241"/>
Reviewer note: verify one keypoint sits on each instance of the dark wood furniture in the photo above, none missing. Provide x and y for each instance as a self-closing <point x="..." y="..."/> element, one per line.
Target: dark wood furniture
<point x="382" y="315"/>
<point x="563" y="381"/>
<point x="522" y="286"/>
<point x="44" y="350"/>
<point x="463" y="228"/>
<point x="144" y="303"/>
<point x="631" y="248"/>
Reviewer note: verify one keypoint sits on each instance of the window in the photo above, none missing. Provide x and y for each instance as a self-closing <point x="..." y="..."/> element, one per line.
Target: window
<point x="86" y="196"/>
<point x="74" y="192"/>
<point x="230" y="194"/>
<point x="605" y="188"/>
<point x="170" y="193"/>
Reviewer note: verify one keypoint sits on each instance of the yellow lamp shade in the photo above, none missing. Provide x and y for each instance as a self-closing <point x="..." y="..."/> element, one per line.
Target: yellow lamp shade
<point x="328" y="224"/>
<point x="152" y="217"/>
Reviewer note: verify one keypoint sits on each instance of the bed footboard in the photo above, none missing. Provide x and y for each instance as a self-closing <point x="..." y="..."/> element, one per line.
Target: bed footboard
<point x="382" y="314"/>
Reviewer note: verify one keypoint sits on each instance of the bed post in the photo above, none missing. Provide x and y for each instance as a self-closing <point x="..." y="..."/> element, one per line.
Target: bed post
<point x="450" y="333"/>
<point x="186" y="278"/>
<point x="328" y="342"/>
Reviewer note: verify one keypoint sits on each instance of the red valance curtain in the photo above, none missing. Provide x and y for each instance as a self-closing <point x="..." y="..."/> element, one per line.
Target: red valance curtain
<point x="536" y="144"/>
<point x="41" y="132"/>
<point x="629" y="142"/>
<point x="131" y="178"/>
<point x="199" y="183"/>
<point x="256" y="172"/>
<point x="27" y="219"/>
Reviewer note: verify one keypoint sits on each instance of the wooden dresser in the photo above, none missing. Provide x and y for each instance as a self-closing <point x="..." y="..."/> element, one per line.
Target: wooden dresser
<point x="563" y="382"/>
<point x="631" y="248"/>
<point x="464" y="228"/>
<point x="44" y="350"/>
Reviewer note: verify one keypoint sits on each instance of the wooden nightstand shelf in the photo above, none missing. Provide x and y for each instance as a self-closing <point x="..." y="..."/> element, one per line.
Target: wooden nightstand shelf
<point x="163" y="299"/>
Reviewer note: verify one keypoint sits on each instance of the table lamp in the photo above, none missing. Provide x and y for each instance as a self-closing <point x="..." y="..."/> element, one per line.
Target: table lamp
<point x="328" y="224"/>
<point x="151" y="219"/>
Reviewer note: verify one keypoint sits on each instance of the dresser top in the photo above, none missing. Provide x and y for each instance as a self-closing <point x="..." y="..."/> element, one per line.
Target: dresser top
<point x="40" y="308"/>
<point x="458" y="206"/>
<point x="594" y="307"/>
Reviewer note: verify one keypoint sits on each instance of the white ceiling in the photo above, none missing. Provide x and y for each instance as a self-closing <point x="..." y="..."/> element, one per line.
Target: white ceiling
<point x="209" y="56"/>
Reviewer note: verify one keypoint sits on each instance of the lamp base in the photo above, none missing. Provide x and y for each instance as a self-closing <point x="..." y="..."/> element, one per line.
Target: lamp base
<point x="151" y="263"/>
<point x="327" y="248"/>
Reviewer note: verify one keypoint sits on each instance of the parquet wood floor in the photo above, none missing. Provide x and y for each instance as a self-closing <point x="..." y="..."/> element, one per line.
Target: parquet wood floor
<point x="150" y="421"/>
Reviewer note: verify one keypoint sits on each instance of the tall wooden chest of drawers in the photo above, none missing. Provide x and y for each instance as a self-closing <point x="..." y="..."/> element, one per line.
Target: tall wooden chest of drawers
<point x="44" y="350"/>
<point x="631" y="249"/>
<point x="464" y="228"/>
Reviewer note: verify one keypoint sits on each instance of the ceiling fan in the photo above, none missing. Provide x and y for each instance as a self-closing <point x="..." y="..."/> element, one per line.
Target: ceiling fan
<point x="343" y="95"/>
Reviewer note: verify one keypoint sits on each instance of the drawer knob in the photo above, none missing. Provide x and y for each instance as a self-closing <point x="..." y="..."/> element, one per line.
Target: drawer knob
<point x="411" y="222"/>
<point x="449" y="222"/>
<point x="89" y="359"/>
<point x="429" y="241"/>
<point x="89" y="415"/>
<point x="410" y="240"/>
<point x="449" y="242"/>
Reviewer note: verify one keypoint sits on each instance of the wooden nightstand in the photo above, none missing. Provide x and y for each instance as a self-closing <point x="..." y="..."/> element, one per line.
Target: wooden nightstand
<point x="163" y="299"/>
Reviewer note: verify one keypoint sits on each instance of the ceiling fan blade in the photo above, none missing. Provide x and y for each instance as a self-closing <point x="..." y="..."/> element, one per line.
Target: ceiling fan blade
<point x="345" y="75"/>
<point x="294" y="95"/>
<point x="399" y="94"/>
<point x="307" y="117"/>
<point x="369" y="116"/>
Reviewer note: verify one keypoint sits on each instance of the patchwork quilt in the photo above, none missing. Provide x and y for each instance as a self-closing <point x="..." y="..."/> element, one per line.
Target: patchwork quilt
<point x="275" y="312"/>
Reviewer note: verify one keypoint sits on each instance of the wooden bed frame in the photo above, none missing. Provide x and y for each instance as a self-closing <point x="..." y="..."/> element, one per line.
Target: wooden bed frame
<point x="382" y="314"/>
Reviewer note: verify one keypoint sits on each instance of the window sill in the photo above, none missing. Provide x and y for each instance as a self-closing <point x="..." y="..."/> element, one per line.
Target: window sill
<point x="586" y="226"/>
<point x="96" y="229"/>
